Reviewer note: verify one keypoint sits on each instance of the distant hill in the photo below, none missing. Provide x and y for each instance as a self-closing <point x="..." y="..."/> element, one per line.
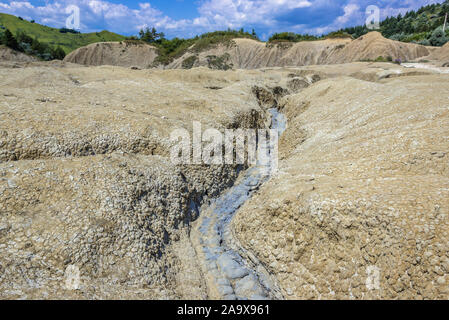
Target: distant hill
<point x="124" y="53"/>
<point x="423" y="26"/>
<point x="252" y="54"/>
<point x="52" y="36"/>
<point x="247" y="53"/>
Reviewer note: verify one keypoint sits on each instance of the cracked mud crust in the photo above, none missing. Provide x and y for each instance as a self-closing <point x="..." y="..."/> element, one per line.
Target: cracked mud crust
<point x="358" y="209"/>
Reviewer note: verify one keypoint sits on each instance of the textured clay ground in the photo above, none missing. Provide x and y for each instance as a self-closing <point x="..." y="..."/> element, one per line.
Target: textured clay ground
<point x="358" y="209"/>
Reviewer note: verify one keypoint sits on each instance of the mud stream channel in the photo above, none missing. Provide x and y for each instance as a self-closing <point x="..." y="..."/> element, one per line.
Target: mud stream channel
<point x="231" y="272"/>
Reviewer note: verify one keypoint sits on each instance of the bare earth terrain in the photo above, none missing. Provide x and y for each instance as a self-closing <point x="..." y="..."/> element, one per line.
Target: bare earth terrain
<point x="358" y="209"/>
<point x="252" y="54"/>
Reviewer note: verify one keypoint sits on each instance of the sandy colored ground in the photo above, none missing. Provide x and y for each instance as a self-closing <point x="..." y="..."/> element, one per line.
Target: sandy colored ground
<point x="252" y="54"/>
<point x="124" y="54"/>
<point x="362" y="191"/>
<point x="85" y="178"/>
<point x="85" y="181"/>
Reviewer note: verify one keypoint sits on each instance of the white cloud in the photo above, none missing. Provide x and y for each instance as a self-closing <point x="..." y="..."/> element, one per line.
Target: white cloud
<point x="212" y="14"/>
<point x="349" y="10"/>
<point x="93" y="13"/>
<point x="236" y="13"/>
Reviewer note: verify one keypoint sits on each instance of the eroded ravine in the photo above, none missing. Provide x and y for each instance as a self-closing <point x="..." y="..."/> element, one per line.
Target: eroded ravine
<point x="231" y="272"/>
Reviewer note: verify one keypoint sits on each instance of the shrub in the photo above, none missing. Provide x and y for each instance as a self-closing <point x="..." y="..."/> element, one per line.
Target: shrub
<point x="398" y="36"/>
<point x="338" y="35"/>
<point x="161" y="59"/>
<point x="291" y="37"/>
<point x="438" y="37"/>
<point x="219" y="63"/>
<point x="381" y="59"/>
<point x="189" y="62"/>
<point x="58" y="53"/>
<point x="66" y="30"/>
<point x="212" y="39"/>
<point x="416" y="37"/>
<point x="24" y="43"/>
<point x="424" y="42"/>
<point x="10" y="41"/>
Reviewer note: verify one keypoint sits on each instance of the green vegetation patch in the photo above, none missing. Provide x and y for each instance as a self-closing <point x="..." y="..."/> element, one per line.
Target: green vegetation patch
<point x="423" y="26"/>
<point x="168" y="50"/>
<point x="66" y="39"/>
<point x="220" y="63"/>
<point x="189" y="62"/>
<point x="31" y="46"/>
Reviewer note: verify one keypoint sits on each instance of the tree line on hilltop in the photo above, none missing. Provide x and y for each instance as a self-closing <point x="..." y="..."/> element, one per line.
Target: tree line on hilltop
<point x="423" y="26"/>
<point x="26" y="44"/>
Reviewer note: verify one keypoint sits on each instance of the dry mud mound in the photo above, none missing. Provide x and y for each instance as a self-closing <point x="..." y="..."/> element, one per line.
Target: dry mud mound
<point x="124" y="54"/>
<point x="251" y="54"/>
<point x="440" y="55"/>
<point x="373" y="45"/>
<point x="91" y="206"/>
<point x="360" y="206"/>
<point x="10" y="55"/>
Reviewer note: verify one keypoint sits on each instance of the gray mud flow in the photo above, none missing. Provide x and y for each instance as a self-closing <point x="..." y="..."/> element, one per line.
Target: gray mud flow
<point x="230" y="272"/>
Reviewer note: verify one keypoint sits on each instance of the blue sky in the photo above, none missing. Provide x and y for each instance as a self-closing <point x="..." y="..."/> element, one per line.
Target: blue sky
<point x="186" y="18"/>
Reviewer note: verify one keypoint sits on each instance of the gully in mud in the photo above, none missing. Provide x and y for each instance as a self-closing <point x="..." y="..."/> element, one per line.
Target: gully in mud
<point x="227" y="273"/>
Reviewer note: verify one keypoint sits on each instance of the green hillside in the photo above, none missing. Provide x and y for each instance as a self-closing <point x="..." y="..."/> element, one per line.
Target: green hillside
<point x="52" y="36"/>
<point x="423" y="26"/>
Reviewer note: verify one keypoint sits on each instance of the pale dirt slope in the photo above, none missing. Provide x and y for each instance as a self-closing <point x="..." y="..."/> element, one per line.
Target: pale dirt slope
<point x="251" y="54"/>
<point x="10" y="55"/>
<point x="374" y="45"/>
<point x="363" y="190"/>
<point x="124" y="54"/>
<point x="440" y="56"/>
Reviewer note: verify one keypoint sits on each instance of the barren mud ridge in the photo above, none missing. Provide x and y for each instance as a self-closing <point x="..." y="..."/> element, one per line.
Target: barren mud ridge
<point x="93" y="207"/>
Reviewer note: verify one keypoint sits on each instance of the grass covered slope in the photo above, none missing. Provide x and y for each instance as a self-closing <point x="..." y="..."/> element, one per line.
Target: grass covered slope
<point x="423" y="26"/>
<point x="52" y="36"/>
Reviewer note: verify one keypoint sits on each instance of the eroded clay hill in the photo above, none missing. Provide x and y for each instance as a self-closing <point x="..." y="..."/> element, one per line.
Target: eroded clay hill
<point x="251" y="54"/>
<point x="440" y="56"/>
<point x="373" y="45"/>
<point x="124" y="54"/>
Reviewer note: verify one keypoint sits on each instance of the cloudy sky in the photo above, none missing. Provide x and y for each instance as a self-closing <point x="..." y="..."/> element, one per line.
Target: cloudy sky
<point x="186" y="18"/>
